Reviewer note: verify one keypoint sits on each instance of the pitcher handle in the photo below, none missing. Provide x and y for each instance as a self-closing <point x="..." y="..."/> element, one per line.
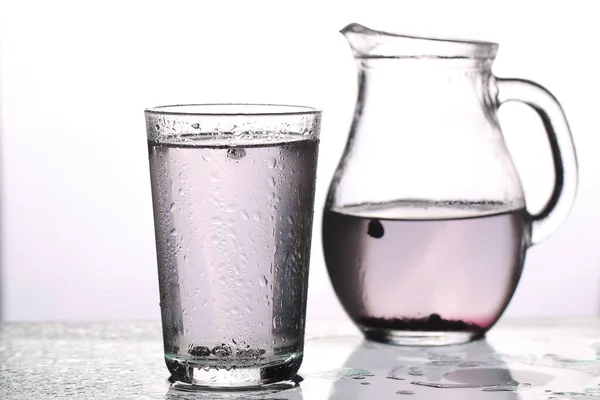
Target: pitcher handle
<point x="561" y="144"/>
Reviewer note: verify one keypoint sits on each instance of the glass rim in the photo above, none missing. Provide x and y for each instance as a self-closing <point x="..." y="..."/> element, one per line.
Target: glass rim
<point x="235" y="109"/>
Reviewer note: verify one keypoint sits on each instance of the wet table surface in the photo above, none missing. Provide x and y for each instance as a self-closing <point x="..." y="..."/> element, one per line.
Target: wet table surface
<point x="520" y="359"/>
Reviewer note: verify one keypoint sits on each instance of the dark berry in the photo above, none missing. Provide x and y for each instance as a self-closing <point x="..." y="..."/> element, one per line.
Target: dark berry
<point x="198" y="351"/>
<point x="375" y="229"/>
<point x="222" y="350"/>
<point x="435" y="318"/>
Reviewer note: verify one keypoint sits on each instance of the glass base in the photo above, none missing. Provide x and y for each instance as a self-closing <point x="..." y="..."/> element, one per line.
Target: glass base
<point x="419" y="338"/>
<point x="278" y="375"/>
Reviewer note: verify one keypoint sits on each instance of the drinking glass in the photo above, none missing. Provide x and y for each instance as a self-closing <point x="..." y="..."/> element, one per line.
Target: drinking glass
<point x="233" y="192"/>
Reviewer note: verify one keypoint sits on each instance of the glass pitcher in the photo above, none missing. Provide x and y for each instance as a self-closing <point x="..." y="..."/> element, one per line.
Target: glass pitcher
<point x="425" y="226"/>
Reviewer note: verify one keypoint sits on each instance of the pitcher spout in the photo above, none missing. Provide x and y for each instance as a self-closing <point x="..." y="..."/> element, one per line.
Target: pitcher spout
<point x="369" y="43"/>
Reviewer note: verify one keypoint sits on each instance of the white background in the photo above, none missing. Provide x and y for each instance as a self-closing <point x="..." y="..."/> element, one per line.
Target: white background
<point x="76" y="76"/>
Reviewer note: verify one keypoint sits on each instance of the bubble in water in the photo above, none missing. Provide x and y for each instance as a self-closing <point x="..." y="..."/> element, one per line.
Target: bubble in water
<point x="236" y="153"/>
<point x="272" y="162"/>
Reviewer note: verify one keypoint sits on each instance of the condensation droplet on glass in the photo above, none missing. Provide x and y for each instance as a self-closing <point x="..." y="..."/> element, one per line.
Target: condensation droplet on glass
<point x="230" y="232"/>
<point x="216" y="221"/>
<point x="237" y="269"/>
<point x="236" y="153"/>
<point x="290" y="219"/>
<point x="173" y="232"/>
<point x="272" y="162"/>
<point x="256" y="215"/>
<point x="272" y="181"/>
<point x="181" y="191"/>
<point x="263" y="281"/>
<point x="205" y="303"/>
<point x="245" y="215"/>
<point x="185" y="258"/>
<point x="236" y="131"/>
<point x="196" y="125"/>
<point x="173" y="207"/>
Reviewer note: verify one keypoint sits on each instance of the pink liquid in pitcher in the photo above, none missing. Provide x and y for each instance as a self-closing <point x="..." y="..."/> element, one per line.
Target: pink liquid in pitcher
<point x="420" y="266"/>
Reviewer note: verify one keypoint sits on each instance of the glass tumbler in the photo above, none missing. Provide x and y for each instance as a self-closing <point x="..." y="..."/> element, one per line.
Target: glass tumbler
<point x="233" y="194"/>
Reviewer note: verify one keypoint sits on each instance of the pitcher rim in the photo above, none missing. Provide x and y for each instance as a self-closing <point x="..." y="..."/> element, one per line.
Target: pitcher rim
<point x="430" y="47"/>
